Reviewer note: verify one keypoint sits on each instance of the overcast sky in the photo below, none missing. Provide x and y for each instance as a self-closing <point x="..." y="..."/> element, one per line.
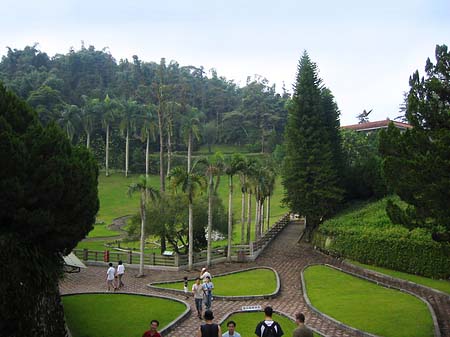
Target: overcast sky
<point x="365" y="51"/>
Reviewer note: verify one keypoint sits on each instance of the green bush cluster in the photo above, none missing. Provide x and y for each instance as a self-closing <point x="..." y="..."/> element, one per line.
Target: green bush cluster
<point x="365" y="233"/>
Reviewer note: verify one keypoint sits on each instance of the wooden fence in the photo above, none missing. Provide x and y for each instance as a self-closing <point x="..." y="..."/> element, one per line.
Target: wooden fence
<point x="240" y="253"/>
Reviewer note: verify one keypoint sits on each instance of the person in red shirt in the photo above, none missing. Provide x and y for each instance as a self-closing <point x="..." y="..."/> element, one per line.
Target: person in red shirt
<point x="153" y="332"/>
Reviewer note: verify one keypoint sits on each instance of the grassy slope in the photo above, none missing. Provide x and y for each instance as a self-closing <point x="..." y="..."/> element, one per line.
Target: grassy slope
<point x="366" y="215"/>
<point x="114" y="202"/>
<point x="116" y="315"/>
<point x="252" y="282"/>
<point x="441" y="285"/>
<point x="367" y="306"/>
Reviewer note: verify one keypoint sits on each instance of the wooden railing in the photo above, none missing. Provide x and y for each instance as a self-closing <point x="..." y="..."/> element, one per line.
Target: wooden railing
<point x="241" y="253"/>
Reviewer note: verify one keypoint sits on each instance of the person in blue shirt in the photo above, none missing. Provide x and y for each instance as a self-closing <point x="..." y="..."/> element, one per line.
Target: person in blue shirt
<point x="208" y="286"/>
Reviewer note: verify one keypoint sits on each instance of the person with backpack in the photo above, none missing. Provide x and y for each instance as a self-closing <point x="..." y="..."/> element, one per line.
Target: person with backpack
<point x="268" y="327"/>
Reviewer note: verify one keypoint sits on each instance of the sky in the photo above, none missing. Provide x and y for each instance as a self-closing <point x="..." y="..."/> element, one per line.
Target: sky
<point x="365" y="51"/>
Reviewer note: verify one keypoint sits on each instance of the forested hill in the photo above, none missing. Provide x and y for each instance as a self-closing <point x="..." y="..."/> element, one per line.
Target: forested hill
<point x="77" y="88"/>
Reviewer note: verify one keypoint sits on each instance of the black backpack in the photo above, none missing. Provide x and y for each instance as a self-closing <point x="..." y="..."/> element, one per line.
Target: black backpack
<point x="269" y="330"/>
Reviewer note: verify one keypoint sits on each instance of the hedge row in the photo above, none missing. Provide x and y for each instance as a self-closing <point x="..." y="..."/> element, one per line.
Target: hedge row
<point x="394" y="248"/>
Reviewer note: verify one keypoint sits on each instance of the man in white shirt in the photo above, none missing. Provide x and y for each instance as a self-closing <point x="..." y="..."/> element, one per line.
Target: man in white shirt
<point x="204" y="274"/>
<point x="110" y="273"/>
<point x="120" y="272"/>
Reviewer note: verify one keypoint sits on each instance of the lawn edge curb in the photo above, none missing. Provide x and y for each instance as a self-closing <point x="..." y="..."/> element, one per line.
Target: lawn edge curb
<point x="224" y="298"/>
<point x="437" y="332"/>
<point x="171" y="325"/>
<point x="393" y="278"/>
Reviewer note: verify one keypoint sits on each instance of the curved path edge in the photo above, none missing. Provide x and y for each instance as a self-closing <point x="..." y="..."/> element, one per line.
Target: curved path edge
<point x="224" y="298"/>
<point x="436" y="329"/>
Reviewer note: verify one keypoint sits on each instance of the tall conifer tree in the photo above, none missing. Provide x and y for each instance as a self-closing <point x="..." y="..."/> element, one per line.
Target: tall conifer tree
<point x="310" y="169"/>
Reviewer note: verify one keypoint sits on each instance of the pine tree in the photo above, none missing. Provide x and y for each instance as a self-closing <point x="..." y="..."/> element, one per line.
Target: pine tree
<point x="311" y="139"/>
<point x="417" y="162"/>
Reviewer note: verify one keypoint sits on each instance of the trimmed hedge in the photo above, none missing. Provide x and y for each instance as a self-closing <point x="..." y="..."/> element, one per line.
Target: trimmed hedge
<point x="374" y="240"/>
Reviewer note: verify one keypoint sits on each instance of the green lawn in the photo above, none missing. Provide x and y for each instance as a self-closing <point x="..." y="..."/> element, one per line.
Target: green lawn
<point x="114" y="203"/>
<point x="251" y="282"/>
<point x="442" y="285"/>
<point x="102" y="231"/>
<point x="367" y="306"/>
<point x="246" y="323"/>
<point x="117" y="315"/>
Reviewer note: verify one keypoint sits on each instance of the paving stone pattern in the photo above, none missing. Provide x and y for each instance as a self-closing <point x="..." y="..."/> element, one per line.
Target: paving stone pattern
<point x="283" y="254"/>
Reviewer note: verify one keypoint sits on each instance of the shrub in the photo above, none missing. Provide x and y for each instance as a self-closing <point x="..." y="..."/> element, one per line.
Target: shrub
<point x="366" y="234"/>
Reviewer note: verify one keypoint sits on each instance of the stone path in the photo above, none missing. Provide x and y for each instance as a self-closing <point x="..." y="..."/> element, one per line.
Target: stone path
<point x="286" y="256"/>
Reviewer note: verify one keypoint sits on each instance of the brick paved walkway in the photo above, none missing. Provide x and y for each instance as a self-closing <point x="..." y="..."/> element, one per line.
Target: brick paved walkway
<point x="285" y="255"/>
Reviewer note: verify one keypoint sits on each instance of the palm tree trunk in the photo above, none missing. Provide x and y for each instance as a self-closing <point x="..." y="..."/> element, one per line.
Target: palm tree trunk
<point x="261" y="218"/>
<point x="141" y="260"/>
<point x="162" y="186"/>
<point x="257" y="220"/>
<point x="189" y="152"/>
<point x="210" y="195"/>
<point x="127" y="144"/>
<point x="107" y="150"/>
<point x="268" y="212"/>
<point x="230" y="216"/>
<point x="146" y="155"/>
<point x="191" y="236"/>
<point x="249" y="215"/>
<point x="169" y="152"/>
<point x="88" y="140"/>
<point x="243" y="218"/>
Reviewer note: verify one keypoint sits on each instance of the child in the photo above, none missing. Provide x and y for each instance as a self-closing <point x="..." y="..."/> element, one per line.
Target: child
<point x="185" y="286"/>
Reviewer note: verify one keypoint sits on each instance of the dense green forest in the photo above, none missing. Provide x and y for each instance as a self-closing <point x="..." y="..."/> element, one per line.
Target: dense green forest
<point x="94" y="97"/>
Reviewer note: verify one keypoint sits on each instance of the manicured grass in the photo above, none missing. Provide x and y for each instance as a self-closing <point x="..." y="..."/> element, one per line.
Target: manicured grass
<point x="114" y="200"/>
<point x="102" y="231"/>
<point x="246" y="323"/>
<point x="251" y="282"/>
<point x="442" y="285"/>
<point x="225" y="149"/>
<point x="114" y="203"/>
<point x="116" y="315"/>
<point x="367" y="306"/>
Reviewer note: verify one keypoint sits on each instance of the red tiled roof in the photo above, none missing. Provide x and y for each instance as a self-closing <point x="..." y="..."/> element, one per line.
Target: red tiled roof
<point x="376" y="125"/>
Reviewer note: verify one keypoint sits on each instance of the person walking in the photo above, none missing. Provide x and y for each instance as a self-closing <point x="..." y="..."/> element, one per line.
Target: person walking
<point x="301" y="330"/>
<point x="110" y="274"/>
<point x="153" y="332"/>
<point x="268" y="327"/>
<point x="209" y="329"/>
<point x="231" y="325"/>
<point x="120" y="273"/>
<point x="204" y="273"/>
<point x="208" y="286"/>
<point x="185" y="287"/>
<point x="197" y="291"/>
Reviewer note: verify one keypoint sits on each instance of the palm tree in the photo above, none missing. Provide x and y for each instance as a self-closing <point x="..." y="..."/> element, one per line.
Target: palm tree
<point x="70" y="120"/>
<point x="191" y="130"/>
<point x="171" y="108"/>
<point x="109" y="108"/>
<point x="214" y="168"/>
<point x="190" y="183"/>
<point x="247" y="174"/>
<point x="127" y="124"/>
<point x="88" y="114"/>
<point x="234" y="165"/>
<point x="148" y="130"/>
<point x="143" y="186"/>
<point x="264" y="180"/>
